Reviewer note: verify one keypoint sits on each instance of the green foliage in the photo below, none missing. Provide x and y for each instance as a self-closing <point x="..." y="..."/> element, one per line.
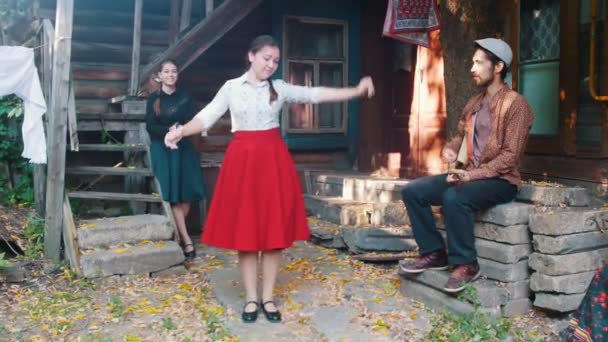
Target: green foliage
<point x="469" y="294"/>
<point x="16" y="185"/>
<point x="4" y="264"/>
<point x="168" y="324"/>
<point x="34" y="233"/>
<point x="452" y="327"/>
<point x="116" y="307"/>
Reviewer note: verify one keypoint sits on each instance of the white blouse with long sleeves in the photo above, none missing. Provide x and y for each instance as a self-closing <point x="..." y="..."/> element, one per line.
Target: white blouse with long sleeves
<point x="249" y="105"/>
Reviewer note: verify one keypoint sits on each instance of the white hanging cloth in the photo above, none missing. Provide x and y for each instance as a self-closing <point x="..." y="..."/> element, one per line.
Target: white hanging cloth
<point x="19" y="76"/>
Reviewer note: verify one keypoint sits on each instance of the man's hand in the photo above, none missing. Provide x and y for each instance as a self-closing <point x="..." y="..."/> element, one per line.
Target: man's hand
<point x="448" y="155"/>
<point x="458" y="176"/>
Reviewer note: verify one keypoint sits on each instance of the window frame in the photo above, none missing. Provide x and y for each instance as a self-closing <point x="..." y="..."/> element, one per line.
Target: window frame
<point x="316" y="62"/>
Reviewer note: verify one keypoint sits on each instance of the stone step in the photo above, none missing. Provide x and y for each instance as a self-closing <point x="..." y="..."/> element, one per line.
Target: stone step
<point x="558" y="302"/>
<point x="513" y="235"/>
<point x="567" y="284"/>
<point x="132" y="260"/>
<point x="354" y="213"/>
<point x="112" y="231"/>
<point x="568" y="263"/>
<point x="571" y="243"/>
<point x="491" y="297"/>
<point x="364" y="240"/>
<point x="504" y="272"/>
<point x="357" y="187"/>
<point x="562" y="221"/>
<point x="500" y="252"/>
<point x="507" y="214"/>
<point x="488" y="293"/>
<point x="553" y="196"/>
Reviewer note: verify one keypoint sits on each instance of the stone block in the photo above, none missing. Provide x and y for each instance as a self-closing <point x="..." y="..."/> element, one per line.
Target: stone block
<point x="568" y="284"/>
<point x="516" y="307"/>
<point x="134" y="260"/>
<point x="568" y="263"/>
<point x="571" y="243"/>
<point x="558" y="302"/>
<point x="111" y="231"/>
<point x="507" y="214"/>
<point x="327" y="240"/>
<point x="13" y="274"/>
<point x="514" y="235"/>
<point x="518" y="289"/>
<point x="489" y="293"/>
<point x="338" y="210"/>
<point x="562" y="221"/>
<point x="501" y="252"/>
<point x="389" y="214"/>
<point x="359" y="240"/>
<point x="373" y="190"/>
<point x="440" y="300"/>
<point x="174" y="271"/>
<point x="504" y="272"/>
<point x="553" y="196"/>
<point x="504" y="253"/>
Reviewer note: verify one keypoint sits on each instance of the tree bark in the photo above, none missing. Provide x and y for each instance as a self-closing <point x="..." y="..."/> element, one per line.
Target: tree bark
<point x="463" y="21"/>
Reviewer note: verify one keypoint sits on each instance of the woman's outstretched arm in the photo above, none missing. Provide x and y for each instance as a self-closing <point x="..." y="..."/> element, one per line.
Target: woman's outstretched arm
<point x="365" y="88"/>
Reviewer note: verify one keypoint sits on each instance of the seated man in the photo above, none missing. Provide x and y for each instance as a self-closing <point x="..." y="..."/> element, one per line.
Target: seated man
<point x="491" y="138"/>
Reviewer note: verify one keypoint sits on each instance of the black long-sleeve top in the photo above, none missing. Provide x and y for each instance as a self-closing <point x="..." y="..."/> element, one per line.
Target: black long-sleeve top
<point x="175" y="108"/>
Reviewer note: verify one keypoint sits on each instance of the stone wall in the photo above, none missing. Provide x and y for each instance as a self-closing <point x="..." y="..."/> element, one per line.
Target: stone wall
<point x="570" y="242"/>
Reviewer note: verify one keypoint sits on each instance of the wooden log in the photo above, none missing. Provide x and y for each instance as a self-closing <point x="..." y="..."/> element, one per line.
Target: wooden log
<point x="108" y="170"/>
<point x="137" y="18"/>
<point x="57" y="130"/>
<point x="184" y="21"/>
<point x="120" y="35"/>
<point x="104" y="18"/>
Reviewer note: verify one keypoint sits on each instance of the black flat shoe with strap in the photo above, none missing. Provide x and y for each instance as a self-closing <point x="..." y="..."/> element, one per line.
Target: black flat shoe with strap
<point x="250" y="316"/>
<point x="191" y="254"/>
<point x="271" y="316"/>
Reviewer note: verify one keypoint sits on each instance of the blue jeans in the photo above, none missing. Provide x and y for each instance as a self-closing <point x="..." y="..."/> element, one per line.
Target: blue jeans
<point x="459" y="206"/>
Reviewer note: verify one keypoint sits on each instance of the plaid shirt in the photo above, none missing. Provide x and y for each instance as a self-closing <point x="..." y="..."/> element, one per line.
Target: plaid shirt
<point x="512" y="118"/>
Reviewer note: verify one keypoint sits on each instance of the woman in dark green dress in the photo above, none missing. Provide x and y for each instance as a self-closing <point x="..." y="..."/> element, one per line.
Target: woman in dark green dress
<point x="178" y="171"/>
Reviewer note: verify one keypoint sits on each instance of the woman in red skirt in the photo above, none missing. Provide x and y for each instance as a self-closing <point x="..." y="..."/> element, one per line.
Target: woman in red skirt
<point x="257" y="204"/>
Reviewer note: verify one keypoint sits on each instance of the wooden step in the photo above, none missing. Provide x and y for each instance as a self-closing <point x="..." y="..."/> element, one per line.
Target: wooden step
<point x="111" y="116"/>
<point x="110" y="126"/>
<point x="112" y="231"/>
<point x="101" y="71"/>
<point x="120" y="35"/>
<point x="107" y="170"/>
<point x="108" y="18"/>
<point x="113" y="147"/>
<point x="102" y="89"/>
<point x="111" y="53"/>
<point x="114" y="196"/>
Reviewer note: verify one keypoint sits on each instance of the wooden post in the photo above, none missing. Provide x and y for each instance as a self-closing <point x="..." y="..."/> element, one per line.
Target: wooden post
<point x="57" y="129"/>
<point x="186" y="15"/>
<point x="173" y="22"/>
<point x="208" y="7"/>
<point x="137" y="18"/>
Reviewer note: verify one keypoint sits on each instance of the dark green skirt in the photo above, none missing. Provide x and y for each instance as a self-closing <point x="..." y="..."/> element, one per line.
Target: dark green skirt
<point x="178" y="171"/>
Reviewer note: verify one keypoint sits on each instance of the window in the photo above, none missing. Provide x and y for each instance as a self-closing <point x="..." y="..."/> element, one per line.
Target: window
<point x="316" y="51"/>
<point x="539" y="62"/>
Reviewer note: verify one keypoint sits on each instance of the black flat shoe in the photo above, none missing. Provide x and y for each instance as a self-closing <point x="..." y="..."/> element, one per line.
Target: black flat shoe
<point x="271" y="316"/>
<point x="250" y="317"/>
<point x="190" y="255"/>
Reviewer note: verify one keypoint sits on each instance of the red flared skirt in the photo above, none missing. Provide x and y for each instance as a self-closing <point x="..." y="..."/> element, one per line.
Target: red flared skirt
<point x="258" y="203"/>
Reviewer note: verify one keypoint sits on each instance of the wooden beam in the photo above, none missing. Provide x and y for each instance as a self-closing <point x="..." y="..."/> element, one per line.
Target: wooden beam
<point x="72" y="122"/>
<point x="70" y="237"/>
<point x="137" y="18"/>
<point x="46" y="60"/>
<point x="173" y="22"/>
<point x="184" y="21"/>
<point x="203" y="35"/>
<point x="208" y="7"/>
<point x="62" y="48"/>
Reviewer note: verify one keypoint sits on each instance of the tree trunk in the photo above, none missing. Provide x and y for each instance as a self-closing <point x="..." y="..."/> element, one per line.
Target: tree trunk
<point x="463" y="21"/>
